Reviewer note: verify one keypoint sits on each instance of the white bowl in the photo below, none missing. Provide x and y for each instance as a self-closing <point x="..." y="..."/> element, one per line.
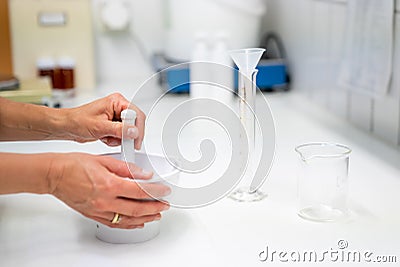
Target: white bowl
<point x="163" y="171"/>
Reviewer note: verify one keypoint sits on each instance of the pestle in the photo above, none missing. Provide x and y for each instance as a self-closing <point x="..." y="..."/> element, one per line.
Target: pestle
<point x="128" y="117"/>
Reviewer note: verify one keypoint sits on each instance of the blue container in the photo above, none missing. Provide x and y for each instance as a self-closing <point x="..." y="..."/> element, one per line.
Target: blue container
<point x="178" y="80"/>
<point x="271" y="74"/>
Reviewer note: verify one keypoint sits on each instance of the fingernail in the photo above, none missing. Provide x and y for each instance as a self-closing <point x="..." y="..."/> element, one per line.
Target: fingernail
<point x="140" y="226"/>
<point x="158" y="217"/>
<point x="167" y="191"/>
<point x="133" y="133"/>
<point x="147" y="173"/>
<point x="166" y="207"/>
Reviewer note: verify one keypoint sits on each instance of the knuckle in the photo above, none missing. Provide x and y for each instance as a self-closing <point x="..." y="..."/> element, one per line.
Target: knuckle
<point x="161" y="207"/>
<point x="142" y="194"/>
<point x="97" y="204"/>
<point x="112" y="186"/>
<point x="96" y="129"/>
<point x="137" y="211"/>
<point x="106" y="188"/>
<point x="116" y="95"/>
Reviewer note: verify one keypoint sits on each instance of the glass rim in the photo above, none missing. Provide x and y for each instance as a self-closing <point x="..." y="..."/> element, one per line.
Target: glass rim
<point x="346" y="151"/>
<point x="247" y="50"/>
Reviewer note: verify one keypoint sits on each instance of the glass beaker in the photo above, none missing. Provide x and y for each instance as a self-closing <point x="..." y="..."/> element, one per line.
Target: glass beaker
<point x="323" y="181"/>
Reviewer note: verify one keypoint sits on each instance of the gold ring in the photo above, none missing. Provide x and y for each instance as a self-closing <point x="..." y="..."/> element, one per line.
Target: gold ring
<point x="116" y="219"/>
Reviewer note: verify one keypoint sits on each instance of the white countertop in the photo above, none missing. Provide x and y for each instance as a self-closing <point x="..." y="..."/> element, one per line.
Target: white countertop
<point x="42" y="231"/>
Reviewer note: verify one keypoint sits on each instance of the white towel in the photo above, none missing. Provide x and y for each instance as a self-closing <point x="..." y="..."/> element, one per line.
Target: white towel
<point x="368" y="49"/>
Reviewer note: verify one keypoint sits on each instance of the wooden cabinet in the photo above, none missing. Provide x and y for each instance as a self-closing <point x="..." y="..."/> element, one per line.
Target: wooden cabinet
<point x="5" y="44"/>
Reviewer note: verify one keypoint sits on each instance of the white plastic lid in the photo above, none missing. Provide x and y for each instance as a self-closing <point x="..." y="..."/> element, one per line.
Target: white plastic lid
<point x="45" y="63"/>
<point x="128" y="114"/>
<point x="66" y="62"/>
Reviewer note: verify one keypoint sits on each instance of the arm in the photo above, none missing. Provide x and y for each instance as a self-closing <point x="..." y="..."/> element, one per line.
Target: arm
<point x="97" y="120"/>
<point x="92" y="185"/>
<point x="20" y="121"/>
<point x="25" y="172"/>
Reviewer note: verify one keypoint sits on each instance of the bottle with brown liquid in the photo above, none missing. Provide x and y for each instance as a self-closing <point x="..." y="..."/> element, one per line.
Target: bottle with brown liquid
<point x="46" y="68"/>
<point x="65" y="73"/>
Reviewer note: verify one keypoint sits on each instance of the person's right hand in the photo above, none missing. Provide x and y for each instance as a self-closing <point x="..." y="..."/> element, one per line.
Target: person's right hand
<point x="95" y="187"/>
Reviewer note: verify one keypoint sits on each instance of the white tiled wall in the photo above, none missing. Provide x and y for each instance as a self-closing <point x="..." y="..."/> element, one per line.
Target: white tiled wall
<point x="338" y="100"/>
<point x="386" y="112"/>
<point x="321" y="59"/>
<point x="291" y="20"/>
<point x="360" y="110"/>
<point x="324" y="36"/>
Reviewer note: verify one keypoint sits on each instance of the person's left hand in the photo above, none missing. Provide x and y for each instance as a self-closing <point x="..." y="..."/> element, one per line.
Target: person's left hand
<point x="100" y="120"/>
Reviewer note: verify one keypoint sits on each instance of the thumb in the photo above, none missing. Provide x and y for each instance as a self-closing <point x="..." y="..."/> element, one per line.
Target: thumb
<point x="111" y="129"/>
<point x="124" y="169"/>
<point x="118" y="167"/>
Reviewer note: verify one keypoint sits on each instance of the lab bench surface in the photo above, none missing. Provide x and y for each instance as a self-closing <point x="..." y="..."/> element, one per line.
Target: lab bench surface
<point x="39" y="230"/>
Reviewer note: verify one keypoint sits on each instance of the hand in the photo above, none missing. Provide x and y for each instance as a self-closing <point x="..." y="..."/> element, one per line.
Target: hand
<point x="96" y="186"/>
<point x="101" y="120"/>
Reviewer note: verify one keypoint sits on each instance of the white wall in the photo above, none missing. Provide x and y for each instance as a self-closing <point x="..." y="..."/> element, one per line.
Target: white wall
<point x="119" y="55"/>
<point x="290" y="19"/>
<point x="313" y="33"/>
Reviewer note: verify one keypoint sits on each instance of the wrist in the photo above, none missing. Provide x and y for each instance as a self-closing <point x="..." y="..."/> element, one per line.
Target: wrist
<point x="56" y="170"/>
<point x="28" y="173"/>
<point x="59" y="123"/>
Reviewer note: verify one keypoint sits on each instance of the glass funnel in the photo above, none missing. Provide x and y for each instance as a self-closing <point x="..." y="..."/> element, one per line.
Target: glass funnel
<point x="247" y="60"/>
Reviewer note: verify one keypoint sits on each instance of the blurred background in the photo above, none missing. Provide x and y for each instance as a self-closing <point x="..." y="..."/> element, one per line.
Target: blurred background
<point x="341" y="54"/>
